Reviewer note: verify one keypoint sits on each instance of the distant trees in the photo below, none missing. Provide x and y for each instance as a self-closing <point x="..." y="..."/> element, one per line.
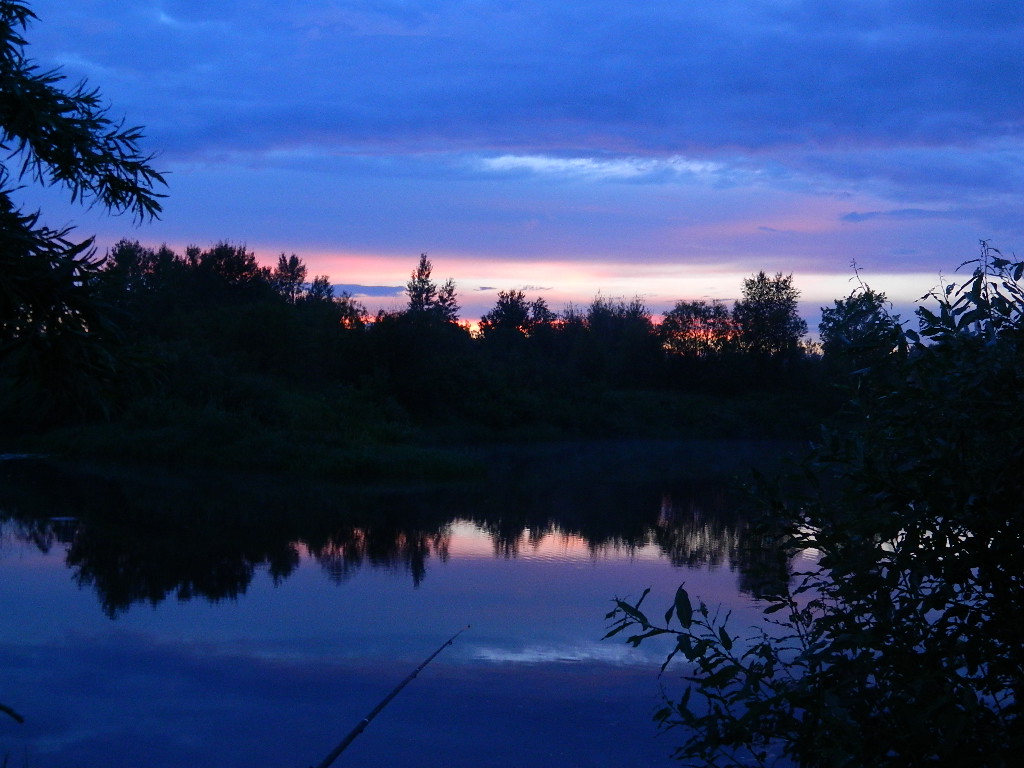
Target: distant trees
<point x="426" y="299"/>
<point x="234" y="265"/>
<point x="514" y="315"/>
<point x="697" y="329"/>
<point x="320" y="291"/>
<point x="212" y="328"/>
<point x="289" y="277"/>
<point x="767" y="317"/>
<point x="622" y="347"/>
<point x="421" y="355"/>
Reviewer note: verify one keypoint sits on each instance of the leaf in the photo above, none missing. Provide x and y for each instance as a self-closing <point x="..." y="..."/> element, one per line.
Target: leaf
<point x="636" y="615"/>
<point x="635" y="640"/>
<point x="684" y="702"/>
<point x="614" y="631"/>
<point x="665" y="663"/>
<point x="724" y="637"/>
<point x="720" y="678"/>
<point x="684" y="610"/>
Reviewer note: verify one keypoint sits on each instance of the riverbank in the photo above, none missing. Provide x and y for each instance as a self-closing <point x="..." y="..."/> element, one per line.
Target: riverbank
<point x="344" y="442"/>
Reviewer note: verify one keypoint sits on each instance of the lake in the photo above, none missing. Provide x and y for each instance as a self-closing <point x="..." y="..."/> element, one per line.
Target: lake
<point x="207" y="621"/>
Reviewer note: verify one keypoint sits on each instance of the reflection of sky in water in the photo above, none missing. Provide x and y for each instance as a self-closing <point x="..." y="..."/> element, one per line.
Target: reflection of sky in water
<point x="279" y="675"/>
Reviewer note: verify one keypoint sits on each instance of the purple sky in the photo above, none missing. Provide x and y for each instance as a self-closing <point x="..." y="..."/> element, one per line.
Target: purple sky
<point x="665" y="149"/>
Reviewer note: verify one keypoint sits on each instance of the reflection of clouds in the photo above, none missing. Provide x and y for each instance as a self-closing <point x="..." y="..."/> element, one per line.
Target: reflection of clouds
<point x="618" y="654"/>
<point x="618" y="168"/>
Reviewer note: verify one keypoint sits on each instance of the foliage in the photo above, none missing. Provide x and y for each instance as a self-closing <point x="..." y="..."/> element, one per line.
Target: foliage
<point x="56" y="339"/>
<point x="697" y="329"/>
<point x="858" y="332"/>
<point x="902" y="644"/>
<point x="231" y="265"/>
<point x="613" y="342"/>
<point x="426" y="299"/>
<point x="289" y="277"/>
<point x="53" y="332"/>
<point x="767" y="317"/>
<point x="210" y="334"/>
<point x="514" y="316"/>
<point x="66" y="137"/>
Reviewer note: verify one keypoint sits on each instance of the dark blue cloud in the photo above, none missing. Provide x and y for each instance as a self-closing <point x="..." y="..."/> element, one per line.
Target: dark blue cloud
<point x="663" y="77"/>
<point x="902" y="213"/>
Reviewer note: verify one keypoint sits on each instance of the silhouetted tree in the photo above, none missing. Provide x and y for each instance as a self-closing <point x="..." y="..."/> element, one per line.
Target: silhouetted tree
<point x="859" y="332"/>
<point x="233" y="264"/>
<point x="697" y="329"/>
<point x="351" y="312"/>
<point x="320" y="290"/>
<point x="621" y="347"/>
<point x="55" y="339"/>
<point x="126" y="268"/>
<point x="513" y="315"/>
<point x="447" y="306"/>
<point x="767" y="317"/>
<point x="426" y="299"/>
<point x="420" y="289"/>
<point x="289" y="277"/>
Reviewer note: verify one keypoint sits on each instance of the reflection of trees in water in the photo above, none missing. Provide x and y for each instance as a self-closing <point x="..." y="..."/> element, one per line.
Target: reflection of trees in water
<point x="43" y="534"/>
<point x="144" y="540"/>
<point x="705" y="529"/>
<point x="347" y="550"/>
<point x="692" y="531"/>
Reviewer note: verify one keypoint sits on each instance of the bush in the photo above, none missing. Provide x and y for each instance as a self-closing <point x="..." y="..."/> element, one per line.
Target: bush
<point x="903" y="645"/>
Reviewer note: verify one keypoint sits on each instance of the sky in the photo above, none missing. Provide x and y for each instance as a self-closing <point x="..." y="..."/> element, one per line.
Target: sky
<point x="663" y="148"/>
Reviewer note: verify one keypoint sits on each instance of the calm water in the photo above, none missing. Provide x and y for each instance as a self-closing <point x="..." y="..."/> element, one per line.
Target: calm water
<point x="206" y="623"/>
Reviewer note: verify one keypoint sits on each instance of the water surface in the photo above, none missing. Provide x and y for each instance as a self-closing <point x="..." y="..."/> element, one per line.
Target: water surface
<point x="213" y="623"/>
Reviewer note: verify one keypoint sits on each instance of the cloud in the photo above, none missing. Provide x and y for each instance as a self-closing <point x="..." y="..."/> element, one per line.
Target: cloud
<point x="666" y="78"/>
<point x="593" y="167"/>
<point x="902" y="213"/>
<point x="374" y="291"/>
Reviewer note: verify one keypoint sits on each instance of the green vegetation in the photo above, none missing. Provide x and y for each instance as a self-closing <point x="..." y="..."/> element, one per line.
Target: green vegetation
<point x="902" y="645"/>
<point x="214" y="360"/>
<point x="55" y="338"/>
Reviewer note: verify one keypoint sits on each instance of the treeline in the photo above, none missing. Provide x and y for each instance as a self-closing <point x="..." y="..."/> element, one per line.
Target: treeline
<point x="157" y="339"/>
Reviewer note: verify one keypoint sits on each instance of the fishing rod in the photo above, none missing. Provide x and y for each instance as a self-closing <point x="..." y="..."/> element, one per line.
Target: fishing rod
<point x="387" y="699"/>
